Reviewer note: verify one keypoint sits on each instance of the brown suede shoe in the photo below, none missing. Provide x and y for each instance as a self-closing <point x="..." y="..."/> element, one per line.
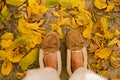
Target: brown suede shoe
<point x="74" y="40"/>
<point x="51" y="42"/>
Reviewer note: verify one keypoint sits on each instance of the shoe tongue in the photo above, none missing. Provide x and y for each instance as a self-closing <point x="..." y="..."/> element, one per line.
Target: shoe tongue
<point x="51" y="45"/>
<point x="76" y="42"/>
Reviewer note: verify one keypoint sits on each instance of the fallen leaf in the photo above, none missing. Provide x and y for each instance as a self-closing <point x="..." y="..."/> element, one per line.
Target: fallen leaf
<point x="87" y="32"/>
<point x="104" y="25"/>
<point x="18" y="42"/>
<point x="21" y="74"/>
<point x="113" y="58"/>
<point x="93" y="47"/>
<point x="110" y="6"/>
<point x="35" y="7"/>
<point x="104" y="72"/>
<point x="15" y="2"/>
<point x="6" y="43"/>
<point x="99" y="4"/>
<point x="7" y="36"/>
<point x="29" y="59"/>
<point x="6" y="67"/>
<point x="69" y="3"/>
<point x="13" y="57"/>
<point x="5" y="11"/>
<point x="114" y="41"/>
<point x="116" y="32"/>
<point x="22" y="29"/>
<point x="51" y="3"/>
<point x="57" y="28"/>
<point x="3" y="54"/>
<point x="2" y="18"/>
<point x="55" y="14"/>
<point x="64" y="21"/>
<point x="103" y="53"/>
<point x="85" y="17"/>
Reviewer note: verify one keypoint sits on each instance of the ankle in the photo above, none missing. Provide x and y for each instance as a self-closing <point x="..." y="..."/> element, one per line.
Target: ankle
<point x="50" y="60"/>
<point x="77" y="60"/>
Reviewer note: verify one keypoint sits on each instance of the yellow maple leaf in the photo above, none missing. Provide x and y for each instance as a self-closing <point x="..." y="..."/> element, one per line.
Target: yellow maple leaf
<point x="114" y="41"/>
<point x="87" y="32"/>
<point x="6" y="67"/>
<point x="57" y="28"/>
<point x="15" y="2"/>
<point x="116" y="32"/>
<point x="11" y="56"/>
<point x="36" y="39"/>
<point x="7" y="36"/>
<point x="99" y="4"/>
<point x="6" y="43"/>
<point x="103" y="53"/>
<point x="5" y="11"/>
<point x="3" y="54"/>
<point x="35" y="7"/>
<point x="73" y="23"/>
<point x="21" y="74"/>
<point x="64" y="21"/>
<point x="55" y="14"/>
<point x="81" y="5"/>
<point x="104" y="25"/>
<point x="22" y="29"/>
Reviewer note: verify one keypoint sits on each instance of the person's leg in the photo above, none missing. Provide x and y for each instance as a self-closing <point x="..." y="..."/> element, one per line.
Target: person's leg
<point x="42" y="74"/>
<point x="75" y="43"/>
<point x="85" y="74"/>
<point x="50" y="46"/>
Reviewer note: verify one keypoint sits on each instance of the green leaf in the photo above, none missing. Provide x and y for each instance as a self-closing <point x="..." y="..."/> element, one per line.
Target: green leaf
<point x="5" y="11"/>
<point x="51" y="3"/>
<point x="15" y="2"/>
<point x="29" y="59"/>
<point x="2" y="18"/>
<point x="20" y="41"/>
<point x="84" y="15"/>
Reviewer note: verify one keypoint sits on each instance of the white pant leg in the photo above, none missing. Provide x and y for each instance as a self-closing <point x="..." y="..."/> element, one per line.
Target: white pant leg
<point x="42" y="74"/>
<point x="85" y="74"/>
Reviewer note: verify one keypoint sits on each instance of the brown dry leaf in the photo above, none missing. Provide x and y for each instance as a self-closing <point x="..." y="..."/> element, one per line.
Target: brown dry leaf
<point x="103" y="53"/>
<point x="6" y="67"/>
<point x="93" y="47"/>
<point x="99" y="4"/>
